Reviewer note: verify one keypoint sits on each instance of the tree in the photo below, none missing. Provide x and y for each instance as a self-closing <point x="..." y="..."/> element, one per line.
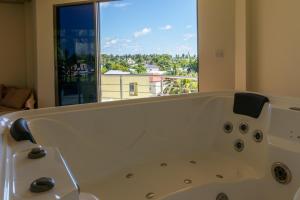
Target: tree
<point x="179" y="86"/>
<point x="164" y="62"/>
<point x="192" y="66"/>
<point x="140" y="69"/>
<point x="178" y="65"/>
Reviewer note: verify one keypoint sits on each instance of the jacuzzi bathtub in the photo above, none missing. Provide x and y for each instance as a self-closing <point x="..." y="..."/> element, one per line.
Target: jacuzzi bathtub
<point x="169" y="148"/>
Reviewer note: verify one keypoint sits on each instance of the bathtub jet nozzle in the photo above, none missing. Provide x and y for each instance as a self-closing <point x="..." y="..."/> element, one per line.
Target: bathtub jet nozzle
<point x="222" y="196"/>
<point x="281" y="173"/>
<point x="239" y="145"/>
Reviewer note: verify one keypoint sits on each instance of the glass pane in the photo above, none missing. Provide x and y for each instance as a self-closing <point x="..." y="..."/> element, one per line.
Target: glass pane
<point x="148" y="48"/>
<point x="76" y="69"/>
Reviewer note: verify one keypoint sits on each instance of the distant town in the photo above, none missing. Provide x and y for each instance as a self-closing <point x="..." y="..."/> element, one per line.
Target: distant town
<point x="153" y="64"/>
<point x="141" y="76"/>
<point x="131" y="76"/>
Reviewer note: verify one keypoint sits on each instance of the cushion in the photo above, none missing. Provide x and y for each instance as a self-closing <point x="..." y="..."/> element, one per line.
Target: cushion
<point x="30" y="102"/>
<point x="15" y="98"/>
<point x="5" y="110"/>
<point x="1" y="91"/>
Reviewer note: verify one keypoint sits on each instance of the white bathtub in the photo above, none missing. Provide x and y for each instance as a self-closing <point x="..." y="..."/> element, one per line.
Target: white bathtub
<point x="170" y="148"/>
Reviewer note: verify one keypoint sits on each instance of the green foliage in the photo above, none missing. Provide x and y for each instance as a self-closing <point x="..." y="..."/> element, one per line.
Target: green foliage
<point x="175" y="66"/>
<point x="114" y="66"/>
<point x="139" y="69"/>
<point x="179" y="65"/>
<point x="179" y="86"/>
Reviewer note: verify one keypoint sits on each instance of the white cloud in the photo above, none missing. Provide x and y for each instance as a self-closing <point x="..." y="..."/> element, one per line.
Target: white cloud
<point x="110" y="42"/>
<point x="166" y="27"/>
<point x="121" y="5"/>
<point x="105" y="4"/>
<point x="189" y="26"/>
<point x="113" y="41"/>
<point x="113" y="4"/>
<point x="188" y="36"/>
<point x="143" y="32"/>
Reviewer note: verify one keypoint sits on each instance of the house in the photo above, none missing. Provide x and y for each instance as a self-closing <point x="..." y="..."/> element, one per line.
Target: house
<point x="153" y="69"/>
<point x="131" y="62"/>
<point x="124" y="86"/>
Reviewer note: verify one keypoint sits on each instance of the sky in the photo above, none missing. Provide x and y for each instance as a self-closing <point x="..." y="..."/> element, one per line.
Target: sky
<point x="149" y="27"/>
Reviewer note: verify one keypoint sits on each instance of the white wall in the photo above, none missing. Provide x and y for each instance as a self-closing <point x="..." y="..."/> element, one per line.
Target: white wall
<point x="45" y="50"/>
<point x="240" y="44"/>
<point x="260" y="51"/>
<point x="30" y="41"/>
<point x="217" y="27"/>
<point x="13" y="69"/>
<point x="274" y="47"/>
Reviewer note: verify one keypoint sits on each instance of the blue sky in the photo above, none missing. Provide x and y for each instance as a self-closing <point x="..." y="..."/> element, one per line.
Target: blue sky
<point x="149" y="26"/>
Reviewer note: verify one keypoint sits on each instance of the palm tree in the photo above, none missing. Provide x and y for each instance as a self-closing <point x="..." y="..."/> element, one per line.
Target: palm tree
<point x="174" y="86"/>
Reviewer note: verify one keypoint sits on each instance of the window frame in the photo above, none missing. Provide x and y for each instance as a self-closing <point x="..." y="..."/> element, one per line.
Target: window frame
<point x="97" y="20"/>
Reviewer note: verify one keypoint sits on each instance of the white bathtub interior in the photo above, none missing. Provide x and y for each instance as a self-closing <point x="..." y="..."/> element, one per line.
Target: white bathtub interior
<point x="172" y="149"/>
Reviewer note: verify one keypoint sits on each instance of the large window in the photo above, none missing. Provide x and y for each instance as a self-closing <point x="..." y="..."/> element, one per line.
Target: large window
<point x="140" y="48"/>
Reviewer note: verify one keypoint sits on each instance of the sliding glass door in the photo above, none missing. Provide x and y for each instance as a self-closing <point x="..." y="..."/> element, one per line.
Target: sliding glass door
<point x="76" y="81"/>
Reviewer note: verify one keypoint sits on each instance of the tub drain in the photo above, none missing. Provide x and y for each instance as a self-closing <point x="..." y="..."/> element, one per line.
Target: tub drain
<point x="281" y="173"/>
<point x="222" y="196"/>
<point x="219" y="176"/>
<point x="193" y="162"/>
<point x="163" y="164"/>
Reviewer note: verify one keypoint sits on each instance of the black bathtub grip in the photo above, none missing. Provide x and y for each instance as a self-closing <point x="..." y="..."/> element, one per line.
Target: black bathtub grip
<point x="19" y="131"/>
